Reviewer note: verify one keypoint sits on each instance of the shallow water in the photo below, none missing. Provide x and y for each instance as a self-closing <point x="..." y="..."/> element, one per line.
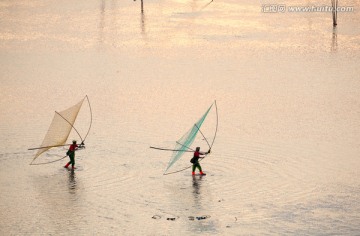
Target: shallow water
<point x="285" y="158"/>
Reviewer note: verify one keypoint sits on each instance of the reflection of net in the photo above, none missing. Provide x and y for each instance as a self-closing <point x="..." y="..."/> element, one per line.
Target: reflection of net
<point x="184" y="143"/>
<point x="60" y="128"/>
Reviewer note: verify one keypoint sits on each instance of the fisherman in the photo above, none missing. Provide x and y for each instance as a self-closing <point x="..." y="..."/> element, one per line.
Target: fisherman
<point x="195" y="160"/>
<point x="71" y="153"/>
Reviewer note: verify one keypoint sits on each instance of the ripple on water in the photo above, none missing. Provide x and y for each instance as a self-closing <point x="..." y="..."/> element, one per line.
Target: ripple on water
<point x="268" y="174"/>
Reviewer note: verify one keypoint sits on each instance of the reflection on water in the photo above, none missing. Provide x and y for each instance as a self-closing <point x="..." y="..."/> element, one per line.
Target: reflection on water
<point x="142" y="19"/>
<point x="102" y="22"/>
<point x="196" y="185"/>
<point x="108" y="19"/>
<point x="197" y="6"/>
<point x="206" y="5"/>
<point x="334" y="43"/>
<point x="72" y="181"/>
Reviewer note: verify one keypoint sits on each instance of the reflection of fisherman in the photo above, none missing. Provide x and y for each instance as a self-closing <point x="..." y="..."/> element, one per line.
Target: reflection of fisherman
<point x="195" y="161"/>
<point x="71" y="153"/>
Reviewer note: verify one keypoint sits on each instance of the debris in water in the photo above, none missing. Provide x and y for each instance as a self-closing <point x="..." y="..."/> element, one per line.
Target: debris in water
<point x="156" y="217"/>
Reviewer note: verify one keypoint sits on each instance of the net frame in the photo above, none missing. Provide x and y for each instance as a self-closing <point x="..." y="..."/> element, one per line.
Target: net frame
<point x="183" y="144"/>
<point x="60" y="128"/>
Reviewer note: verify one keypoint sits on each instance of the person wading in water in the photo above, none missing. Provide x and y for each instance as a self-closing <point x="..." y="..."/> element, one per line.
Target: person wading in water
<point x="71" y="153"/>
<point x="195" y="160"/>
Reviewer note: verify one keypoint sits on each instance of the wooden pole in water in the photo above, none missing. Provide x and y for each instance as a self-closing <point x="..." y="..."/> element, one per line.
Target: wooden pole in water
<point x="334" y="4"/>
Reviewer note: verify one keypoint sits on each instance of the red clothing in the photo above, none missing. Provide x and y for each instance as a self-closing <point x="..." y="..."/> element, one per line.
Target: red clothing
<point x="73" y="147"/>
<point x="196" y="154"/>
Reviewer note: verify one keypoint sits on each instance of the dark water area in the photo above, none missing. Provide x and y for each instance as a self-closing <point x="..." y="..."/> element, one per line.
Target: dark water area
<point x="285" y="158"/>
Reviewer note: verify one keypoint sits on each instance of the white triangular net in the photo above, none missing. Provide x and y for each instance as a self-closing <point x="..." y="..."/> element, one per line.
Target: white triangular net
<point x="60" y="128"/>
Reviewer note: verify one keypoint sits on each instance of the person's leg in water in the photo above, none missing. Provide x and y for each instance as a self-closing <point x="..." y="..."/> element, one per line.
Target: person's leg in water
<point x="197" y="165"/>
<point x="72" y="161"/>
<point x="72" y="158"/>
<point x="67" y="164"/>
<point x="193" y="169"/>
